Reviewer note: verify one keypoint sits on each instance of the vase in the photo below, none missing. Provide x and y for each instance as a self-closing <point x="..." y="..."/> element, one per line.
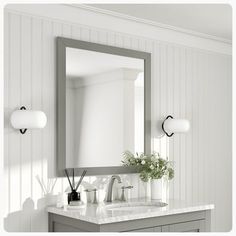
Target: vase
<point x="156" y="189"/>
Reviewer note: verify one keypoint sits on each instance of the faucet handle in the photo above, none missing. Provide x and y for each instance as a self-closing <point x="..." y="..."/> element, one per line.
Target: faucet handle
<point x="122" y="198"/>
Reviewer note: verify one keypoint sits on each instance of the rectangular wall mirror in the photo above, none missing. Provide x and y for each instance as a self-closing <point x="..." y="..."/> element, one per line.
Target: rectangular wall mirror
<point x="104" y="100"/>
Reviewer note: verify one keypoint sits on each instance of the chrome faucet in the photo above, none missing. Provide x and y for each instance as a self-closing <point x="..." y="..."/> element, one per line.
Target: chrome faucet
<point x="110" y="187"/>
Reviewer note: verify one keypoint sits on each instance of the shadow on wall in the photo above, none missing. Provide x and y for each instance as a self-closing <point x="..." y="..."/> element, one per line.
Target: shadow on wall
<point x="29" y="219"/>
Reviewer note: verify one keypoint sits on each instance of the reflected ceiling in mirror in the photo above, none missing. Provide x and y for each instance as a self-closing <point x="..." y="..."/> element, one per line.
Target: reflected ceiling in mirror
<point x="104" y="108"/>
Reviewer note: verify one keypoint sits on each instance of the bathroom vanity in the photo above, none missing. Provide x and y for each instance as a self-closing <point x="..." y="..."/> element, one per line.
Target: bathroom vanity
<point x="136" y="215"/>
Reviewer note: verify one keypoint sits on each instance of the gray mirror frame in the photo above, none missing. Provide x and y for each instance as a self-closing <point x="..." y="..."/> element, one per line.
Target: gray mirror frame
<point x="62" y="43"/>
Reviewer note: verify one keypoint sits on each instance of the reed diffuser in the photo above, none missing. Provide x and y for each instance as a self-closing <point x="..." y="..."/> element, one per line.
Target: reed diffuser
<point x="74" y="196"/>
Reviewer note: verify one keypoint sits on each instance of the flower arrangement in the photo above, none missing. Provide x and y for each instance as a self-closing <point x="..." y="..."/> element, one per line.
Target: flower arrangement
<point x="149" y="166"/>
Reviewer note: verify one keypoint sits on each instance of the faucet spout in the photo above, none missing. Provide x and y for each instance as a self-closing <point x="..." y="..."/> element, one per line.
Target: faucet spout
<point x="110" y="187"/>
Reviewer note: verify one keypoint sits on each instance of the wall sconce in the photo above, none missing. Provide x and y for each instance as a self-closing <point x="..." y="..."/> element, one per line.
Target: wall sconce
<point x="171" y="126"/>
<point x="23" y="119"/>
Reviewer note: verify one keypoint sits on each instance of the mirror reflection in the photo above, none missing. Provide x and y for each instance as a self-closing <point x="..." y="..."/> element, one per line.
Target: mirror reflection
<point x="104" y="108"/>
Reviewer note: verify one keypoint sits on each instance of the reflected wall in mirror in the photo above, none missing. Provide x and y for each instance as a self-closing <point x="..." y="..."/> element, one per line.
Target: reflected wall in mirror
<point x="102" y="105"/>
<point x="104" y="108"/>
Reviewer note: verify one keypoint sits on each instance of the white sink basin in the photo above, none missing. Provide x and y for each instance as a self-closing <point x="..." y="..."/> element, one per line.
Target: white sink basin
<point x="135" y="206"/>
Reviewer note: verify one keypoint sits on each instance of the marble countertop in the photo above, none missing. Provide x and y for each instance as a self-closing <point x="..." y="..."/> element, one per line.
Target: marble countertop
<point x="99" y="213"/>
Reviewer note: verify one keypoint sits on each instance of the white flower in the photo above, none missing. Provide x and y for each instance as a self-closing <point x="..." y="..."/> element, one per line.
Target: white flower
<point x="151" y="167"/>
<point x="143" y="162"/>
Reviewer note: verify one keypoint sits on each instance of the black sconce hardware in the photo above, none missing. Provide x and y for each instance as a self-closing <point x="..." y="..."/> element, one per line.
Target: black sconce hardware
<point x="23" y="130"/>
<point x="169" y="135"/>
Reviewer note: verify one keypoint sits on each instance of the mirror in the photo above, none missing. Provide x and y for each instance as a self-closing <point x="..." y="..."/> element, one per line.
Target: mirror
<point x="103" y="106"/>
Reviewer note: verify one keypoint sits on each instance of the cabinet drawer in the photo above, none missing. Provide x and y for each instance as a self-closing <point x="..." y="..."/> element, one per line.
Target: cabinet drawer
<point x="191" y="226"/>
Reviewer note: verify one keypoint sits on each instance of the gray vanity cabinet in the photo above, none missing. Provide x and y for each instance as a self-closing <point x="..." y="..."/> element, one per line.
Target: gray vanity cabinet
<point x="199" y="221"/>
<point x="192" y="226"/>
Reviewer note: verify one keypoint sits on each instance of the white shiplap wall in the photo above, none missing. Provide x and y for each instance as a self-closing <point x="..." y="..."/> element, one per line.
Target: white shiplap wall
<point x="186" y="82"/>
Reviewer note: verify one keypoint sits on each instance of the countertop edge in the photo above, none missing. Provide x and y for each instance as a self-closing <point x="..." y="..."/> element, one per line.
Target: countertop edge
<point x="115" y="219"/>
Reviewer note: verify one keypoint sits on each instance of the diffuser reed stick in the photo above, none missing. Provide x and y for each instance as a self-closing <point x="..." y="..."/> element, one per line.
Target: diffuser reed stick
<point x="69" y="180"/>
<point x="81" y="178"/>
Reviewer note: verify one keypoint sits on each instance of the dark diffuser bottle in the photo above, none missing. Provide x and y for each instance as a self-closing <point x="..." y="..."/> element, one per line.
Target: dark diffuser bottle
<point x="73" y="196"/>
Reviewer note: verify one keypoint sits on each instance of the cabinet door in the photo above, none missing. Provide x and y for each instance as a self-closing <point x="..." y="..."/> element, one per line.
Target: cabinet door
<point x="191" y="226"/>
<point x="58" y="227"/>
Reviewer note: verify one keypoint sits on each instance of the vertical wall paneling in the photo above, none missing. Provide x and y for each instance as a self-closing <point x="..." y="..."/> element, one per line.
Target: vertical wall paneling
<point x="46" y="81"/>
<point x="26" y="100"/>
<point x="186" y="116"/>
<point x="176" y="102"/>
<point x="161" y="91"/>
<point x="201" y="85"/>
<point x="203" y="128"/>
<point x="189" y="170"/>
<point x="211" y="123"/>
<point x="182" y="114"/>
<point x="36" y="78"/>
<point x="6" y="111"/>
<point x="186" y="83"/>
<point x="195" y="128"/>
<point x="155" y="96"/>
<point x="52" y="100"/>
<point x="198" y="114"/>
<point x="14" y="103"/>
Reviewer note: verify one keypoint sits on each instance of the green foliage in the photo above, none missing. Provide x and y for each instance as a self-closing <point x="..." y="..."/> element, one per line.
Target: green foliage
<point x="149" y="166"/>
